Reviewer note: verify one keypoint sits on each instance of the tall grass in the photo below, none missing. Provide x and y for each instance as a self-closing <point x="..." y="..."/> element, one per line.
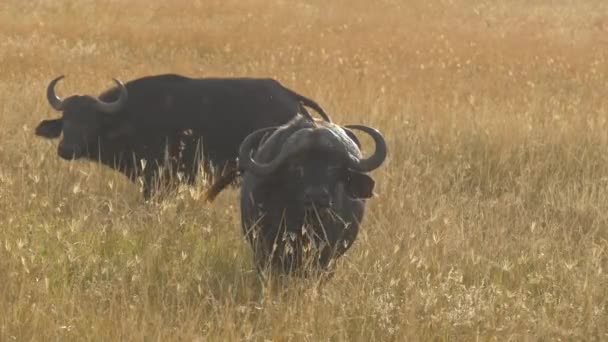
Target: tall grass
<point x="491" y="215"/>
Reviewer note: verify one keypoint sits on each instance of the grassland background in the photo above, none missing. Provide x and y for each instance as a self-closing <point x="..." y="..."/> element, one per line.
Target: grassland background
<point x="491" y="215"/>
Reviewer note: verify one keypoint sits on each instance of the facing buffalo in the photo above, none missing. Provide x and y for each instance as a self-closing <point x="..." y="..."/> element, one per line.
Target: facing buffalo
<point x="303" y="192"/>
<point x="165" y="125"/>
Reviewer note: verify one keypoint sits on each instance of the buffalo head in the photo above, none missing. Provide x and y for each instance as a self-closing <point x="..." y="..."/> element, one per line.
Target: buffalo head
<point x="316" y="159"/>
<point x="81" y="120"/>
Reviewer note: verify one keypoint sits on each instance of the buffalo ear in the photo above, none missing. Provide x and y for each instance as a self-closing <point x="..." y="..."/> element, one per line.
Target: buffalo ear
<point x="359" y="185"/>
<point x="49" y="128"/>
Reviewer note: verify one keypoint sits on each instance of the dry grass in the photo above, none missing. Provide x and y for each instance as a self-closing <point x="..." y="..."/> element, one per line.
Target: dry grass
<point x="491" y="220"/>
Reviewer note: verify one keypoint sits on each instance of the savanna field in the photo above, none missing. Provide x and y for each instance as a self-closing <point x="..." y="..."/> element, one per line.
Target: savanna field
<point x="490" y="220"/>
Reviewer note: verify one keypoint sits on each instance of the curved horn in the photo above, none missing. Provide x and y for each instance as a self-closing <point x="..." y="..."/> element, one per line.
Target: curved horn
<point x="298" y="141"/>
<point x="54" y="101"/>
<point x="246" y="163"/>
<point x="113" y="107"/>
<point x="376" y="159"/>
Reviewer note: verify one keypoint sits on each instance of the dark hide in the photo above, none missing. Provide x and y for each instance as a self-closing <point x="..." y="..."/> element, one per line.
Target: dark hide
<point x="170" y="122"/>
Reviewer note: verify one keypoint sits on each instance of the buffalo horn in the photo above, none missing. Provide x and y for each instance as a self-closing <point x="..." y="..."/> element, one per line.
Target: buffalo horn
<point x="113" y="107"/>
<point x="54" y="101"/>
<point x="375" y="160"/>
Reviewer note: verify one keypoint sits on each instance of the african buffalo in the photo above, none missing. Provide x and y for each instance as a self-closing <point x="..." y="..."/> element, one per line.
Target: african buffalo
<point x="303" y="192"/>
<point x="155" y="126"/>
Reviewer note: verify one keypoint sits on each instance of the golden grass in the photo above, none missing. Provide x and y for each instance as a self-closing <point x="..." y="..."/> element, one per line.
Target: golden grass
<point x="491" y="217"/>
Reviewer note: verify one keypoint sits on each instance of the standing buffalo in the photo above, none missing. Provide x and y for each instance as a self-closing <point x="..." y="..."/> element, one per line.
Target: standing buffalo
<point x="303" y="192"/>
<point x="165" y="124"/>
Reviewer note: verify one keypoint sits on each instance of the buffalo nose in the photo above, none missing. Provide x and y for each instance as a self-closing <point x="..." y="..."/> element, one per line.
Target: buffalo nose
<point x="318" y="197"/>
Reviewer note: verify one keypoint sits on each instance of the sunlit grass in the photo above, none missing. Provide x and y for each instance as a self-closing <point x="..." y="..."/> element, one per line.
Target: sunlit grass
<point x="491" y="214"/>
